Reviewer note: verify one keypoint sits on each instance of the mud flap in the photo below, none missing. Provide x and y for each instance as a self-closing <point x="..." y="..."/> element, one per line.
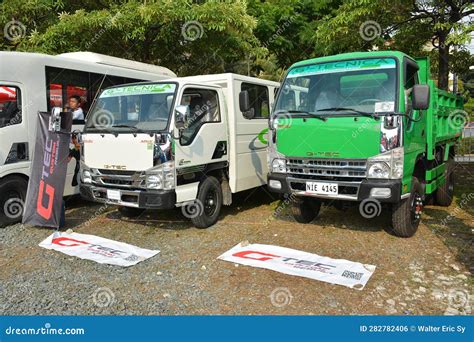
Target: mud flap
<point x="226" y="192"/>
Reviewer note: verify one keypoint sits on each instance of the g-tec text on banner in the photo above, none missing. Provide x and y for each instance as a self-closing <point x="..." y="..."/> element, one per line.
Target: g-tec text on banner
<point x="48" y="171"/>
<point x="103" y="251"/>
<point x="290" y="261"/>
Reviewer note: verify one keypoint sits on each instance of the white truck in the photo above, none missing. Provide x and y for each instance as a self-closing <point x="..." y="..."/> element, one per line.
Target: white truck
<point x="189" y="142"/>
<point x="32" y="82"/>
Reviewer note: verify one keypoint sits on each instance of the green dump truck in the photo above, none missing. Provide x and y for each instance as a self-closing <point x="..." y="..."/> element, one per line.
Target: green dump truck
<point x="364" y="128"/>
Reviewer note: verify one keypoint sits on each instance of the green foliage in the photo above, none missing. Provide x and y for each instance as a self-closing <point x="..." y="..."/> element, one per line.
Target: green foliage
<point x="260" y="38"/>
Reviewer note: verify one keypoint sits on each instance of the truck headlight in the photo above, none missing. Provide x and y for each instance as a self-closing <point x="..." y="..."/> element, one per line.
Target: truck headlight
<point x="279" y="165"/>
<point x="161" y="177"/>
<point x="388" y="165"/>
<point x="86" y="177"/>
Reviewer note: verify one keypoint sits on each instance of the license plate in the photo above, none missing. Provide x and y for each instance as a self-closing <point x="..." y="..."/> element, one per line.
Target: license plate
<point x="113" y="195"/>
<point x="322" y="188"/>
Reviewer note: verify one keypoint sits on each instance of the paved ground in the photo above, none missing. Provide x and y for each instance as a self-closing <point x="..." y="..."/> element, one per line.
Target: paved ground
<point x="430" y="273"/>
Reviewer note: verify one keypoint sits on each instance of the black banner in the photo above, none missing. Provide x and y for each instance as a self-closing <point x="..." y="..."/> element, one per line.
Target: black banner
<point x="44" y="198"/>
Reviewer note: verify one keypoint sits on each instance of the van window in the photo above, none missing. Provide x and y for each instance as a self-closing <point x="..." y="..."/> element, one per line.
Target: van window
<point x="10" y="105"/>
<point x="204" y="108"/>
<point x="62" y="84"/>
<point x="258" y="96"/>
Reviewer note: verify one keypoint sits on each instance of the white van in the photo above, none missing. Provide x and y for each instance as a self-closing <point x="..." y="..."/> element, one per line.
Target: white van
<point x="188" y="142"/>
<point x="31" y="82"/>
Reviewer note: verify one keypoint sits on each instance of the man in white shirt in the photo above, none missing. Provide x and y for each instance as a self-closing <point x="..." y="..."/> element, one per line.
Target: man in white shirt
<point x="74" y="104"/>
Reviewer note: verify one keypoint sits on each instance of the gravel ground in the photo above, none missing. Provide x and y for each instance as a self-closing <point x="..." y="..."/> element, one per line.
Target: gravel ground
<point x="430" y="273"/>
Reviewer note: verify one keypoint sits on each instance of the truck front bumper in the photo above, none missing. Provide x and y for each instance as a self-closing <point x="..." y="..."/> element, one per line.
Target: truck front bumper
<point x="348" y="190"/>
<point x="143" y="199"/>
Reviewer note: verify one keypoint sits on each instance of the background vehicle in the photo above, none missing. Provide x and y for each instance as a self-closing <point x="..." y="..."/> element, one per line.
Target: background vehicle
<point x="31" y="82"/>
<point x="188" y="142"/>
<point x="373" y="129"/>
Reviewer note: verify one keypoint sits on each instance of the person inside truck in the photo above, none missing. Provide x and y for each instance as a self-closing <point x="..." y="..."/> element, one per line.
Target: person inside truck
<point x="74" y="105"/>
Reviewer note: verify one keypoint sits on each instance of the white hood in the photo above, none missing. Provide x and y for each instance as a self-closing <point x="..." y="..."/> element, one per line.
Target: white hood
<point x="122" y="152"/>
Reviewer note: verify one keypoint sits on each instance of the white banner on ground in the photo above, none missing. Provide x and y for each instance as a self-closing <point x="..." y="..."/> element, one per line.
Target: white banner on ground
<point x="290" y="261"/>
<point x="103" y="251"/>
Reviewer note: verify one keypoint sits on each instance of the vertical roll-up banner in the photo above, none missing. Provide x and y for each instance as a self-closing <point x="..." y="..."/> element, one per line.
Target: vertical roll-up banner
<point x="43" y="203"/>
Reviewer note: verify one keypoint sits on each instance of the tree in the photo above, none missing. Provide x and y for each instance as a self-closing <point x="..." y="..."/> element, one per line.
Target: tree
<point x="188" y="37"/>
<point x="412" y="26"/>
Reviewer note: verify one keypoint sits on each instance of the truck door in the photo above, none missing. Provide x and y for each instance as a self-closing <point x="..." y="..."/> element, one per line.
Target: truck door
<point x="204" y="139"/>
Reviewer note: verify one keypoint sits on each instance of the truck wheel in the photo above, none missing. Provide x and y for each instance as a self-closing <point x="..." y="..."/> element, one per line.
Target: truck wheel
<point x="130" y="212"/>
<point x="406" y="214"/>
<point x="12" y="200"/>
<point x="305" y="210"/>
<point x="444" y="194"/>
<point x="209" y="201"/>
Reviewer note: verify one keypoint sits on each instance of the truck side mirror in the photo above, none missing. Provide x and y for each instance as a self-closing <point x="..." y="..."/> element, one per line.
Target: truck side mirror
<point x="181" y="116"/>
<point x="420" y="98"/>
<point x="244" y="105"/>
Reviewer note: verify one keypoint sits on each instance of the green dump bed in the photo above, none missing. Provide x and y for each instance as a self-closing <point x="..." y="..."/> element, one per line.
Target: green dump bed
<point x="445" y="115"/>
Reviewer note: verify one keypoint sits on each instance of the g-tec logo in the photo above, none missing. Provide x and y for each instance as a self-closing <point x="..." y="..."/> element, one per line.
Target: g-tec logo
<point x="115" y="167"/>
<point x="297" y="263"/>
<point x="49" y="163"/>
<point x="68" y="242"/>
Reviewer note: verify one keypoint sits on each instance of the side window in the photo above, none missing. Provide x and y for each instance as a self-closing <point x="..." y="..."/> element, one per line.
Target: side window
<point x="259" y="102"/>
<point x="411" y="78"/>
<point x="204" y="108"/>
<point x="68" y="89"/>
<point x="10" y="105"/>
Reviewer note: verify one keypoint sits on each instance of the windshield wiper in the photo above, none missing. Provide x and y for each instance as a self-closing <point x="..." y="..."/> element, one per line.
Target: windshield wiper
<point x="304" y="112"/>
<point x="346" y="109"/>
<point x="137" y="130"/>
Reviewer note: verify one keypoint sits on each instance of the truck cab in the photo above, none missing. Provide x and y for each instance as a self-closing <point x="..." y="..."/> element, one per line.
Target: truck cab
<point x="366" y="128"/>
<point x="182" y="142"/>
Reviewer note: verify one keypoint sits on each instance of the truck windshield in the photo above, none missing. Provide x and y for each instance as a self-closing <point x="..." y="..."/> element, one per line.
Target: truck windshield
<point x="360" y="86"/>
<point x="133" y="108"/>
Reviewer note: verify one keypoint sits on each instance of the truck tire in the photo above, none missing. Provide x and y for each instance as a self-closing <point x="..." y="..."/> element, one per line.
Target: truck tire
<point x="130" y="212"/>
<point x="444" y="194"/>
<point x="12" y="199"/>
<point x="209" y="203"/>
<point x="305" y="210"/>
<point x="406" y="214"/>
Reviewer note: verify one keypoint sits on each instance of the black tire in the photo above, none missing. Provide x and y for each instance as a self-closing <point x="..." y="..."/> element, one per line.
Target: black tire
<point x="406" y="215"/>
<point x="305" y="210"/>
<point x="12" y="199"/>
<point x="209" y="202"/>
<point x="130" y="212"/>
<point x="444" y="194"/>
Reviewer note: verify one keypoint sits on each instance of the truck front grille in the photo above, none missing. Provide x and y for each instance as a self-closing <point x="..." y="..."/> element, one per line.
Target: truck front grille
<point x="115" y="178"/>
<point x="327" y="168"/>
